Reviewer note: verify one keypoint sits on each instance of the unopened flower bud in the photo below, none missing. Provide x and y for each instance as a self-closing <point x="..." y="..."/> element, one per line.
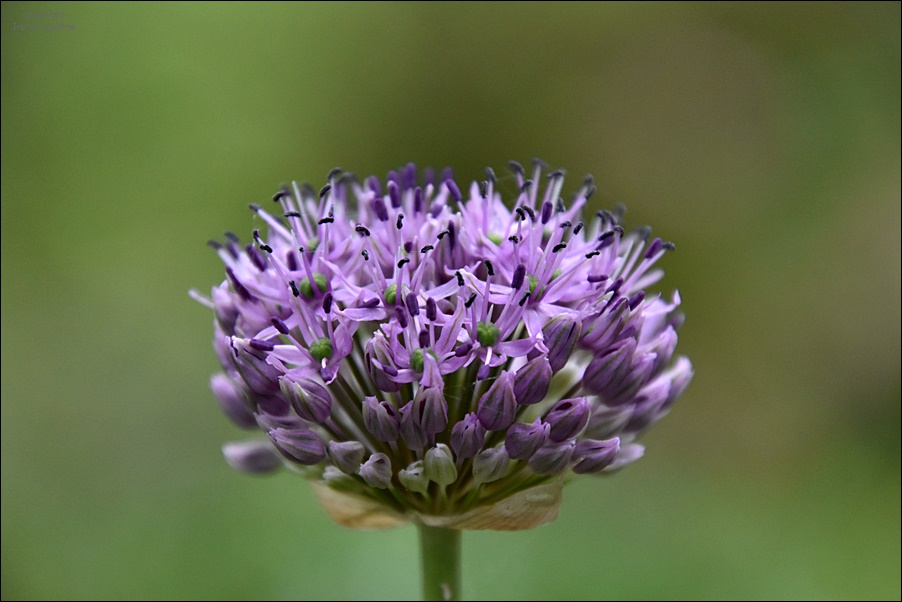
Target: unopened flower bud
<point x="377" y="471"/>
<point x="467" y="436"/>
<point x="413" y="478"/>
<point x="532" y="380"/>
<point x="552" y="459"/>
<point x="430" y="410"/>
<point x="414" y="435"/>
<point x="523" y="440"/>
<point x="252" y="457"/>
<point x="561" y="334"/>
<point x="594" y="456"/>
<point x="439" y="465"/>
<point x="346" y="455"/>
<point x="299" y="445"/>
<point x="231" y="398"/>
<point x="567" y="418"/>
<point x="309" y="399"/>
<point x="381" y="419"/>
<point x="490" y="465"/>
<point x="498" y="407"/>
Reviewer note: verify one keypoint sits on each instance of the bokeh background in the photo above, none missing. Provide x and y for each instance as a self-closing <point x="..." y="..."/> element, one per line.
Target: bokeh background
<point x="763" y="138"/>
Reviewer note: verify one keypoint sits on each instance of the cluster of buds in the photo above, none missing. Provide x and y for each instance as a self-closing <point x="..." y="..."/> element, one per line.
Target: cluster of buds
<point x="426" y="355"/>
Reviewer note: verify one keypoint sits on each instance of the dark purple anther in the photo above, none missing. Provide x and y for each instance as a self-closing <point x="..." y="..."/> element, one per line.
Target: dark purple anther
<point x="467" y="437"/>
<point x="309" y="399"/>
<point x="489" y="267"/>
<point x="408" y="247"/>
<point x="431" y="309"/>
<point x="452" y="235"/>
<point x="373" y="184"/>
<point x="593" y="278"/>
<point x="379" y="208"/>
<point x="515" y="167"/>
<point x="239" y="288"/>
<point x="291" y="261"/>
<point x="614" y="286"/>
<point x="546" y="212"/>
<point x="413" y="305"/>
<point x="279" y="325"/>
<point x="532" y="380"/>
<point x="428" y="176"/>
<point x="567" y="418"/>
<point x="327" y="303"/>
<point x="261" y="345"/>
<point x="498" y="406"/>
<point x="552" y="459"/>
<point x="453" y="189"/>
<point x="653" y="248"/>
<point x="636" y="299"/>
<point x="418" y="200"/>
<point x="325" y="190"/>
<point x="381" y="419"/>
<point x="302" y="446"/>
<point x="394" y="194"/>
<point x="401" y="316"/>
<point x="409" y="176"/>
<point x="595" y="456"/>
<point x="256" y="258"/>
<point x="423" y="338"/>
<point x="376" y="471"/>
<point x="523" y="440"/>
<point x="447" y="174"/>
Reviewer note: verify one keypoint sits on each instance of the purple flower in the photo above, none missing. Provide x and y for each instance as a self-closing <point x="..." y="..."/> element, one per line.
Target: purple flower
<point x="434" y="350"/>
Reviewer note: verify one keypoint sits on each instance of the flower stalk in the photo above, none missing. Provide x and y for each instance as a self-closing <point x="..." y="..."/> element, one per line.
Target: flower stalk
<point x="440" y="552"/>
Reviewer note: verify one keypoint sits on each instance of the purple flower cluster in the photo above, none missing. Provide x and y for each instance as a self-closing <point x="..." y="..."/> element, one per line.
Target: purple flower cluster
<point x="434" y="350"/>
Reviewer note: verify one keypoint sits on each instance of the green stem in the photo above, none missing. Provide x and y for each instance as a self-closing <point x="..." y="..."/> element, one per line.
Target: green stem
<point x="440" y="562"/>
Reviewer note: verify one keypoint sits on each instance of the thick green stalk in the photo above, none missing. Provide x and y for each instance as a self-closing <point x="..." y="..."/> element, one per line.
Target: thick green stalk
<point x="440" y="563"/>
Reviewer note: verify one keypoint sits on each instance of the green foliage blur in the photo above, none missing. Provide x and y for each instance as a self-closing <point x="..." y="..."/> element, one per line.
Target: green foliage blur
<point x="763" y="138"/>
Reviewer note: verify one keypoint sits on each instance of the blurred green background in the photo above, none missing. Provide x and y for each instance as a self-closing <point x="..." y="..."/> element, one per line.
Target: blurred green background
<point x="764" y="139"/>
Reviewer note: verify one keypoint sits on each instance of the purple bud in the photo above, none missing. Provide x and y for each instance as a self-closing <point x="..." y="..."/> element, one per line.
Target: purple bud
<point x="414" y="435"/>
<point x="523" y="440"/>
<point x="260" y="377"/>
<point x="607" y="371"/>
<point x="430" y="410"/>
<point x="497" y="408"/>
<point x="553" y="458"/>
<point x="377" y="471"/>
<point x="310" y="400"/>
<point x="231" y="398"/>
<point x="594" y="456"/>
<point x="252" y="457"/>
<point x="302" y="446"/>
<point x="381" y="419"/>
<point x="346" y="455"/>
<point x="567" y="418"/>
<point x="380" y="365"/>
<point x="560" y="335"/>
<point x="490" y="465"/>
<point x="467" y="437"/>
<point x="532" y="380"/>
<point x="438" y="465"/>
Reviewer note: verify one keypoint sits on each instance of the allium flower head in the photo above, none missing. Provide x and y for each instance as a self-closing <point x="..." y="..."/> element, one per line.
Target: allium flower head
<point x="431" y="354"/>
